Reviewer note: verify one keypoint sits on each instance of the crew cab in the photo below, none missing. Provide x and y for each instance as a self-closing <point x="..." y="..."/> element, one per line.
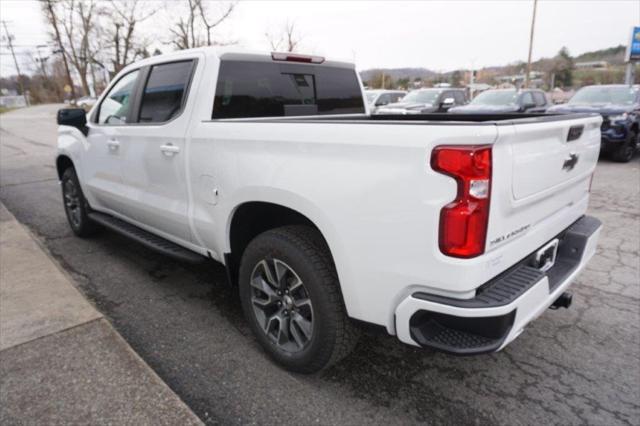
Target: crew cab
<point x="619" y="106"/>
<point x="505" y="100"/>
<point x="451" y="232"/>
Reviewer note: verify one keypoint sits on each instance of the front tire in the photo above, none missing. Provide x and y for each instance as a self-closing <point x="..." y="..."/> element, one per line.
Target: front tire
<point x="624" y="153"/>
<point x="291" y="298"/>
<point x="76" y="206"/>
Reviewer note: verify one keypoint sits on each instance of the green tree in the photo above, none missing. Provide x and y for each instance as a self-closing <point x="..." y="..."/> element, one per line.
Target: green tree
<point x="563" y="68"/>
<point x="455" y="77"/>
<point x="376" y="81"/>
<point x="402" y="83"/>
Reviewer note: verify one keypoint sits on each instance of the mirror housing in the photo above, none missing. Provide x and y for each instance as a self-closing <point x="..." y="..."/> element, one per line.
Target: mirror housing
<point x="447" y="103"/>
<point x="74" y="117"/>
<point x="528" y="106"/>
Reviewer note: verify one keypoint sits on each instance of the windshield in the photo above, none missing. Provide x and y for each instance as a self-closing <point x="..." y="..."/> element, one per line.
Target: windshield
<point x="422" y="96"/>
<point x="371" y="97"/>
<point x="604" y="95"/>
<point x="491" y="97"/>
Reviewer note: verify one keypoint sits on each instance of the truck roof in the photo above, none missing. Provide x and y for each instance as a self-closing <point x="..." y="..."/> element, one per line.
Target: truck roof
<point x="234" y="53"/>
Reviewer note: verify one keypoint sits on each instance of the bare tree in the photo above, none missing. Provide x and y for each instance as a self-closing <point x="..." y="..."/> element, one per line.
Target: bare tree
<point x="77" y="19"/>
<point x="50" y="15"/>
<point x="184" y="36"/>
<point x="197" y="27"/>
<point x="121" y="38"/>
<point x="209" y="23"/>
<point x="287" y="39"/>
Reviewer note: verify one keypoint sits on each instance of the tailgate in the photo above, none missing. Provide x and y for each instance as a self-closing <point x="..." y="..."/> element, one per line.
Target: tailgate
<point x="541" y="176"/>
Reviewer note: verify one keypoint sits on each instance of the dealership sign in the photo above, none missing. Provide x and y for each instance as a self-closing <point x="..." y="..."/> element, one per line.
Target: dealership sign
<point x="633" y="49"/>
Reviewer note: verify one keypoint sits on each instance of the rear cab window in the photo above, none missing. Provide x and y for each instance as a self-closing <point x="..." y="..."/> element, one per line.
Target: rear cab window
<point x="249" y="89"/>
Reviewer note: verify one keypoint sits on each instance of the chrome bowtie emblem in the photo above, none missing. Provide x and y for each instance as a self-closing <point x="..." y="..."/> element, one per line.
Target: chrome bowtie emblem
<point x="570" y="162"/>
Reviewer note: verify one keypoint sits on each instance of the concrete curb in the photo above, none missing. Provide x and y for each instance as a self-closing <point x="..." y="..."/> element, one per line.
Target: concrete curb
<point x="60" y="359"/>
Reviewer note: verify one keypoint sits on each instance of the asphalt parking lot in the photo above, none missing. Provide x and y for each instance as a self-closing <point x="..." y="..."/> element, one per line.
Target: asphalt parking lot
<point x="576" y="366"/>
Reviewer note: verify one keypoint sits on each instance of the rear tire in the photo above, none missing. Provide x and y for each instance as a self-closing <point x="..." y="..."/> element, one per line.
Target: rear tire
<point x="291" y="298"/>
<point x="76" y="206"/>
<point x="624" y="153"/>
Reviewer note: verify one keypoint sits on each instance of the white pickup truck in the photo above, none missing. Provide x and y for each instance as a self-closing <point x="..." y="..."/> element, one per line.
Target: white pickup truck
<point x="452" y="232"/>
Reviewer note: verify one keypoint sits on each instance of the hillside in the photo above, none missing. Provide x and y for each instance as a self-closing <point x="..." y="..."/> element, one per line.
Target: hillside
<point x="399" y="73"/>
<point x="613" y="55"/>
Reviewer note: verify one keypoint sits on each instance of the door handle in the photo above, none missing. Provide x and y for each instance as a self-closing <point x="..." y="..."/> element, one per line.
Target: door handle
<point x="113" y="145"/>
<point x="169" y="149"/>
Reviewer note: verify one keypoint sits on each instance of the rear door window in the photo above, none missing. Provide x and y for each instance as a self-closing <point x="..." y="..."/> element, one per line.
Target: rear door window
<point x="263" y="89"/>
<point x="164" y="92"/>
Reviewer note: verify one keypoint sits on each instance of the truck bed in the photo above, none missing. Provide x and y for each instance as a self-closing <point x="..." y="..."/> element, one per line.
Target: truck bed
<point x="432" y="119"/>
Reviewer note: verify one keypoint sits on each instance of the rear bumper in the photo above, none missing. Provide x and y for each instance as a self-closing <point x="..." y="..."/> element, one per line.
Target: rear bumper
<point x="503" y="307"/>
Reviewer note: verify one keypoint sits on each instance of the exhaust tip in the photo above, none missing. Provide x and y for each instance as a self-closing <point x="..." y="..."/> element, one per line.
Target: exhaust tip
<point x="564" y="301"/>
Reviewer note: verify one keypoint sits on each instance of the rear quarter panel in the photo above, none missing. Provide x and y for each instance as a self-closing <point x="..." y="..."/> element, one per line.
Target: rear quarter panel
<point x="367" y="187"/>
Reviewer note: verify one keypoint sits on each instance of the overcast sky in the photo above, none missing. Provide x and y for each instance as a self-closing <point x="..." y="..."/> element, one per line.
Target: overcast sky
<point x="440" y="35"/>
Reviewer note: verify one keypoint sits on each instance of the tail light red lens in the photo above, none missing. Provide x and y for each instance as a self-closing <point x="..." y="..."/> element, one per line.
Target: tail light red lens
<point x="463" y="222"/>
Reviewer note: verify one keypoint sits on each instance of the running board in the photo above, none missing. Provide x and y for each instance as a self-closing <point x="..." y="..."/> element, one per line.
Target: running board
<point x="146" y="238"/>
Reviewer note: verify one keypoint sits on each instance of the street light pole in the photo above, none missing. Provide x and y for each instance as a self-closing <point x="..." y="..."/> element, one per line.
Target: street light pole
<point x="533" y="24"/>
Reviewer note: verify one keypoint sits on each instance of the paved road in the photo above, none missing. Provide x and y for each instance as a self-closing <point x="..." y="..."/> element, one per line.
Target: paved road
<point x="577" y="366"/>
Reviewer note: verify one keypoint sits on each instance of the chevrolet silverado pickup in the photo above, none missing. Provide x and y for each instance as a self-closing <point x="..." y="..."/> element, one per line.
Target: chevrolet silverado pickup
<point x="451" y="232"/>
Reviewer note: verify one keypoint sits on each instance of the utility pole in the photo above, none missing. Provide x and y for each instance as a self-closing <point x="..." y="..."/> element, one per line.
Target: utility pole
<point x="533" y="24"/>
<point x="15" y="61"/>
<point x="629" y="74"/>
<point x="54" y="23"/>
<point x="42" y="61"/>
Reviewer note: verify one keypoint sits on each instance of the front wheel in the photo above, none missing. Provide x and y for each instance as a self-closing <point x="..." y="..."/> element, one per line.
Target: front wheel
<point x="624" y="153"/>
<point x="291" y="298"/>
<point x="76" y="206"/>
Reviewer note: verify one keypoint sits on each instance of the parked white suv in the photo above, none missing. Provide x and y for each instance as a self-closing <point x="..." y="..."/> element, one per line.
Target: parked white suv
<point x="377" y="98"/>
<point x="451" y="232"/>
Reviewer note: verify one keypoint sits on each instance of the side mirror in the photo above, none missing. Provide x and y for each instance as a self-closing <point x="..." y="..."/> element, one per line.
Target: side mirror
<point x="381" y="103"/>
<point x="448" y="102"/>
<point x="74" y="117"/>
<point x="528" y="106"/>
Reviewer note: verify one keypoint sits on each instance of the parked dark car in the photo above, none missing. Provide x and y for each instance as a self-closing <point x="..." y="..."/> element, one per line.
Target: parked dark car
<point x="619" y="106"/>
<point x="505" y="100"/>
<point x="424" y="101"/>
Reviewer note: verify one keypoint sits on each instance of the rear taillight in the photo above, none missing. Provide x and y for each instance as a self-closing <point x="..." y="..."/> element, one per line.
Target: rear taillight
<point x="463" y="222"/>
